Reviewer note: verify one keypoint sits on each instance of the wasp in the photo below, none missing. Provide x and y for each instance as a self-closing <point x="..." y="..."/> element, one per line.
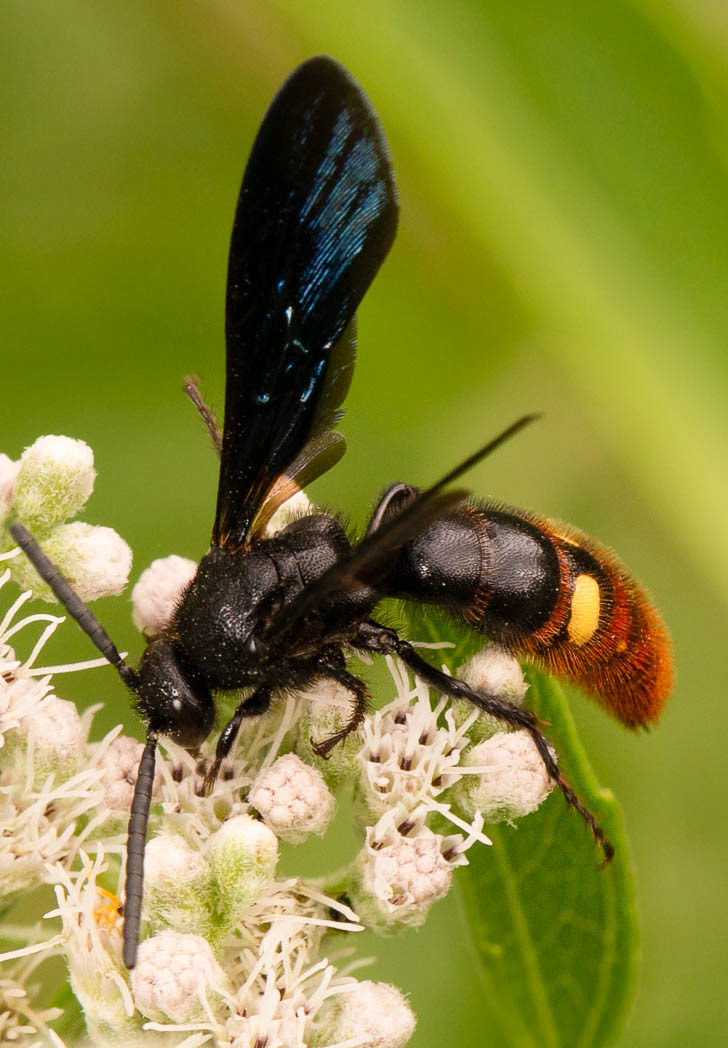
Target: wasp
<point x="315" y="219"/>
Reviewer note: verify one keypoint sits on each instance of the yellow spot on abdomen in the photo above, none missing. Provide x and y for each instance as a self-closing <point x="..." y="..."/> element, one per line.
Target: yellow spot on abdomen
<point x="584" y="610"/>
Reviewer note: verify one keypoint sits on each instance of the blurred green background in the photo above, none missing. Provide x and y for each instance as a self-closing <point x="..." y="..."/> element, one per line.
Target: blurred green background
<point x="562" y="170"/>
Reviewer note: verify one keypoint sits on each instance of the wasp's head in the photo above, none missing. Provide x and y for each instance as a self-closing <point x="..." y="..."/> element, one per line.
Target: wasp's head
<point x="172" y="700"/>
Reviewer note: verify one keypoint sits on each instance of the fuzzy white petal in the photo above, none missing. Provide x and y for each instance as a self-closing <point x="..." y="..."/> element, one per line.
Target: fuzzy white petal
<point x="95" y="560"/>
<point x="158" y="591"/>
<point x="173" y="975"/>
<point x="377" y="1013"/>
<point x="55" y="479"/>
<point x="293" y="798"/>
<point x="514" y="781"/>
<point x="296" y="506"/>
<point x="496" y="671"/>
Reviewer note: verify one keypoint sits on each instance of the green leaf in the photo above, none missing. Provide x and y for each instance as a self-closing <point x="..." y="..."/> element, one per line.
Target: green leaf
<point x="555" y="935"/>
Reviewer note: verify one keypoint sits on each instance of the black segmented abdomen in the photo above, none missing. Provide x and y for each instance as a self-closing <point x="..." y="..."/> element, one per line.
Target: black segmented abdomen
<point x="548" y="593"/>
<point x="493" y="568"/>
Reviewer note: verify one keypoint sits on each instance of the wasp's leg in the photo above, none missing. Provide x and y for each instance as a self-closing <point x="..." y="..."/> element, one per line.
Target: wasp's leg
<point x="254" y="706"/>
<point x="360" y="697"/>
<point x="375" y="638"/>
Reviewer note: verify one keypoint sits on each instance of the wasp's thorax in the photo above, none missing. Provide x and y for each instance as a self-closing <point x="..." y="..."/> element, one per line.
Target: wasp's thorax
<point x="223" y="616"/>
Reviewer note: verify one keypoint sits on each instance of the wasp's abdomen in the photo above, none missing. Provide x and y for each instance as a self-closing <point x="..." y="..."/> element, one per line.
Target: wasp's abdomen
<point x="548" y="593"/>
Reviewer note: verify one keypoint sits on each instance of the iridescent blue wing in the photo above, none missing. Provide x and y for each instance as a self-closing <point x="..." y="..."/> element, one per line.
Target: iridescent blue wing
<point x="316" y="216"/>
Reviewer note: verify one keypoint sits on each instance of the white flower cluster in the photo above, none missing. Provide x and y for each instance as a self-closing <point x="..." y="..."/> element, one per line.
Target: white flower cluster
<point x="21" y="1022"/>
<point x="233" y="953"/>
<point x="48" y="486"/>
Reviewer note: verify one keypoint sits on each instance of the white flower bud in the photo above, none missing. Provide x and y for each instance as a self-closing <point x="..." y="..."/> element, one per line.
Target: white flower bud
<point x="172" y="974"/>
<point x="119" y="772"/>
<point x="95" y="560"/>
<point x="495" y="671"/>
<point x="514" y="783"/>
<point x="295" y="507"/>
<point x="396" y="879"/>
<point x="373" y="1015"/>
<point x="58" y="738"/>
<point x="293" y="798"/>
<point x="157" y="592"/>
<point x="326" y="708"/>
<point x="177" y="884"/>
<point x="55" y="480"/>
<point x="8" y="475"/>
<point x="243" y="854"/>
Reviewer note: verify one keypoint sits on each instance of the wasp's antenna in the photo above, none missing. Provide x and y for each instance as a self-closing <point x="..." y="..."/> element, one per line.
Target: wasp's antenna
<point x="135" y="845"/>
<point x="72" y="602"/>
<point x="191" y="388"/>
<point x="145" y="776"/>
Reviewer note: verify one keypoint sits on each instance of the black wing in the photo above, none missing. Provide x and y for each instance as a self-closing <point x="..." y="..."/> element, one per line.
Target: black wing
<point x="368" y="562"/>
<point x="316" y="216"/>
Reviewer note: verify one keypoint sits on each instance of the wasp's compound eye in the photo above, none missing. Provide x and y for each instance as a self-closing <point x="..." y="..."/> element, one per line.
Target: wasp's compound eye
<point x="171" y="704"/>
<point x="256" y="647"/>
